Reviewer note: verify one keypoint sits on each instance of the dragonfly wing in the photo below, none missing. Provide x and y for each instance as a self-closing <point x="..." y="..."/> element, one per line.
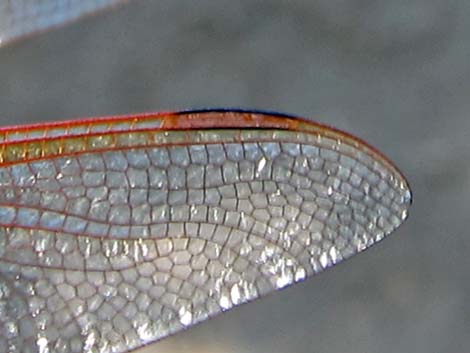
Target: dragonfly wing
<point x="20" y="18"/>
<point x="115" y="233"/>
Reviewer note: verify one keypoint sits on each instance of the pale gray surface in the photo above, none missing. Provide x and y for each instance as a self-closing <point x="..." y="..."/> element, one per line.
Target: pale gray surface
<point x="21" y="18"/>
<point x="395" y="73"/>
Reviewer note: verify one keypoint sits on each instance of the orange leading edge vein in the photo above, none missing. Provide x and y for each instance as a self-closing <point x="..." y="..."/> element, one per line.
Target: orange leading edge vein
<point x="117" y="232"/>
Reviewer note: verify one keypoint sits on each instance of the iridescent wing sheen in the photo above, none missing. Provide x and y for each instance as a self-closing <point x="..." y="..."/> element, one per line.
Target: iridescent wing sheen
<point x="115" y="233"/>
<point x="19" y="18"/>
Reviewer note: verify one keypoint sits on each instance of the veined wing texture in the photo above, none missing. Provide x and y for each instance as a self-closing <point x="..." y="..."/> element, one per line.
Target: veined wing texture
<point x="117" y="232"/>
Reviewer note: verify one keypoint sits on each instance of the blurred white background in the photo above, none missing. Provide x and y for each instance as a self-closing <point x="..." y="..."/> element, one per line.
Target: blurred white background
<point x="396" y="73"/>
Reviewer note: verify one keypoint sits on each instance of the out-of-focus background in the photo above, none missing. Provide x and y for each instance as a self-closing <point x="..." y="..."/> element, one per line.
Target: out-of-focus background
<point x="396" y="73"/>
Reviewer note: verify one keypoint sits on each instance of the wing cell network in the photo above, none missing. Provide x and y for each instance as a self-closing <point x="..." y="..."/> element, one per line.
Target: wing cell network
<point x="116" y="233"/>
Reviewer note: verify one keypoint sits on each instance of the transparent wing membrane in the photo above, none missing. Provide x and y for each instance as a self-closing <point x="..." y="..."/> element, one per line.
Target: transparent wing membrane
<point x="117" y="233"/>
<point x="19" y="18"/>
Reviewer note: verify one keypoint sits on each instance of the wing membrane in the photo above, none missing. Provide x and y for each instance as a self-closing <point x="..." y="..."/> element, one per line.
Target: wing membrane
<point x="116" y="233"/>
